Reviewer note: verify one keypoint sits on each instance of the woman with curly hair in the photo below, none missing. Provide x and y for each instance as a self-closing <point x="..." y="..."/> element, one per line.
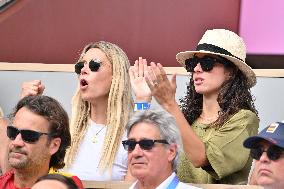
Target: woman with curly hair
<point x="216" y="115"/>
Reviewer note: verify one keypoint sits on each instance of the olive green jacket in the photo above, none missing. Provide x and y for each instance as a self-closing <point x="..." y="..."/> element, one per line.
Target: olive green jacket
<point x="230" y="162"/>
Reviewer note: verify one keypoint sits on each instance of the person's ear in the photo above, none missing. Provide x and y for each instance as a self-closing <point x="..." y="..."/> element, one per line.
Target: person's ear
<point x="172" y="152"/>
<point x="54" y="145"/>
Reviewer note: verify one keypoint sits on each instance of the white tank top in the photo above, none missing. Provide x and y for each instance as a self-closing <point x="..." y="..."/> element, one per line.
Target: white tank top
<point x="85" y="164"/>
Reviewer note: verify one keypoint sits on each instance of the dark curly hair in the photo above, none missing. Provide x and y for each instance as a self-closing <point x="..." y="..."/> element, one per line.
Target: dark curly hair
<point x="58" y="120"/>
<point x="234" y="95"/>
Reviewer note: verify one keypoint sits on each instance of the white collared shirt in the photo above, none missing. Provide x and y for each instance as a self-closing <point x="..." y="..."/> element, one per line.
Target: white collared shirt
<point x="166" y="183"/>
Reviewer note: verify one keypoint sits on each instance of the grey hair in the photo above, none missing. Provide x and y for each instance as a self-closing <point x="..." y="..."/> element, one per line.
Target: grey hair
<point x="166" y="124"/>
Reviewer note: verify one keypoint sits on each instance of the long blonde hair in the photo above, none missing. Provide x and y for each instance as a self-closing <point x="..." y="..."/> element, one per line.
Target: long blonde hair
<point x="119" y="107"/>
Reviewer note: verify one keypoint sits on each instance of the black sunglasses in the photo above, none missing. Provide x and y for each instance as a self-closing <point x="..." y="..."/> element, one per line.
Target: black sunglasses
<point x="28" y="136"/>
<point x="273" y="152"/>
<point x="207" y="63"/>
<point x="145" y="144"/>
<point x="94" y="66"/>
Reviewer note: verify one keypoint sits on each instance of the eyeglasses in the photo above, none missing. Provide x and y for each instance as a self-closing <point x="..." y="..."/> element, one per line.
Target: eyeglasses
<point x="28" y="136"/>
<point x="273" y="152"/>
<point x="145" y="144"/>
<point x="94" y="66"/>
<point x="207" y="63"/>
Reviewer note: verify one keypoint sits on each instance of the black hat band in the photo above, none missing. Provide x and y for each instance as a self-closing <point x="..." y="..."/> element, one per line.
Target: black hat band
<point x="215" y="49"/>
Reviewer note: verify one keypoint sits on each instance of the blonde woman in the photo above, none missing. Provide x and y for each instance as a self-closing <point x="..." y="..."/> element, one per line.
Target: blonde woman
<point x="101" y="107"/>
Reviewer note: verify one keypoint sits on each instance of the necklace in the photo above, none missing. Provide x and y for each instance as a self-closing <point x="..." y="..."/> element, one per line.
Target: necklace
<point x="95" y="138"/>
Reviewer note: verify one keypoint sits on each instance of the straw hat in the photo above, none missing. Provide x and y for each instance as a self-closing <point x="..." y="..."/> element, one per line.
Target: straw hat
<point x="226" y="44"/>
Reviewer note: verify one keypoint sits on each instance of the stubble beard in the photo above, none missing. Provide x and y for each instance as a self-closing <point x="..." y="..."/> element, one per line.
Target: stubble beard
<point x="17" y="163"/>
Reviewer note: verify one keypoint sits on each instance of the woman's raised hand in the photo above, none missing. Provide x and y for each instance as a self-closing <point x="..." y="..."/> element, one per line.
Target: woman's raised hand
<point x="137" y="75"/>
<point x="161" y="87"/>
<point x="34" y="87"/>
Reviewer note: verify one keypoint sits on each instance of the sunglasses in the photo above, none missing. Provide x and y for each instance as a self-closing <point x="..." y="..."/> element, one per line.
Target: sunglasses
<point x="273" y="152"/>
<point x="145" y="144"/>
<point x="94" y="66"/>
<point x="207" y="63"/>
<point x="28" y="136"/>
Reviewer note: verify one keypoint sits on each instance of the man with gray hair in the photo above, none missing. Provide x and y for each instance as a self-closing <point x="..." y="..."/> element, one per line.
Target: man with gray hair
<point x="154" y="160"/>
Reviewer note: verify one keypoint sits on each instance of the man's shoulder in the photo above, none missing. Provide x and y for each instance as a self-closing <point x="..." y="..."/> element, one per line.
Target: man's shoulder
<point x="7" y="175"/>
<point x="5" y="179"/>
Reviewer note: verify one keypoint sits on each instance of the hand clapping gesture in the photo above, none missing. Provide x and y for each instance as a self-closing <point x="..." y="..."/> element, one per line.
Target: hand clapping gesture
<point x="137" y="75"/>
<point x="148" y="81"/>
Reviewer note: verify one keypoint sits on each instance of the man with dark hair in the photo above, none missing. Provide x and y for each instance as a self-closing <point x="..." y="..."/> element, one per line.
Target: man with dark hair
<point x="38" y="138"/>
<point x="267" y="148"/>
